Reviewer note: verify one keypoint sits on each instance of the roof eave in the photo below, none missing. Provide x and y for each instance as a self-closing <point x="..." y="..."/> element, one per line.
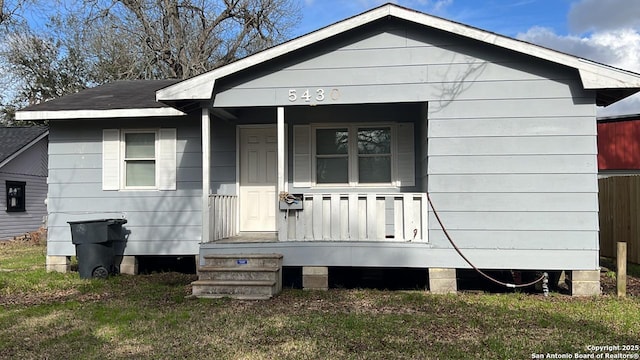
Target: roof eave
<point x="606" y="97"/>
<point x="96" y="114"/>
<point x="598" y="76"/>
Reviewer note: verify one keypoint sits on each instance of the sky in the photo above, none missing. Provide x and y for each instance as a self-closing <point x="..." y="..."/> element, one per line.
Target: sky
<point x="606" y="31"/>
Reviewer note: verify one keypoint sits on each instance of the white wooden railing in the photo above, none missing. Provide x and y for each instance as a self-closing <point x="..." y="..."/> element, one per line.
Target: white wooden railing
<point x="358" y="217"/>
<point x="223" y="216"/>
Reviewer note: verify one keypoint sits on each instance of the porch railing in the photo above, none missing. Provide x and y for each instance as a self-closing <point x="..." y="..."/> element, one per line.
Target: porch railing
<point x="223" y="216"/>
<point x="359" y="217"/>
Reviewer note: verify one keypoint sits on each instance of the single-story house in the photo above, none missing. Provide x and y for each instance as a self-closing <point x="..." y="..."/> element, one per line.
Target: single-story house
<point x="23" y="172"/>
<point x="323" y="150"/>
<point x="619" y="145"/>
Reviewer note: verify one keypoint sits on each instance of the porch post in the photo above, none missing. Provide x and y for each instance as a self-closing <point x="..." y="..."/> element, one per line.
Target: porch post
<point x="282" y="221"/>
<point x="206" y="173"/>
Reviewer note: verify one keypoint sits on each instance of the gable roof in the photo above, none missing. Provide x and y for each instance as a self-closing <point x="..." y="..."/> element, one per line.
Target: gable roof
<point x="15" y="140"/>
<point x="612" y="84"/>
<point x="127" y="98"/>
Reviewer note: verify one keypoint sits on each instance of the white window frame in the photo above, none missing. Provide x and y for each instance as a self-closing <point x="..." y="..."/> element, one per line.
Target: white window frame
<point x="166" y="159"/>
<point x="123" y="159"/>
<point x="353" y="155"/>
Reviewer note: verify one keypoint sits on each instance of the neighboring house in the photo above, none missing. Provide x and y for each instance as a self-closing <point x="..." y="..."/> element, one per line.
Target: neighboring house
<point x="359" y="120"/>
<point x="619" y="145"/>
<point x="619" y="167"/>
<point x="23" y="176"/>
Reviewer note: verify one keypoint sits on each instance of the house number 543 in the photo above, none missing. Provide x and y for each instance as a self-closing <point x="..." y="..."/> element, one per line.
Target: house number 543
<point x="307" y="95"/>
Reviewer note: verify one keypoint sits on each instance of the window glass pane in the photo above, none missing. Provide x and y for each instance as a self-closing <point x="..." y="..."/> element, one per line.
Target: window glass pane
<point x="374" y="141"/>
<point x="374" y="169"/>
<point x="141" y="173"/>
<point x="332" y="170"/>
<point x="332" y="141"/>
<point x="140" y="145"/>
<point x="15" y="196"/>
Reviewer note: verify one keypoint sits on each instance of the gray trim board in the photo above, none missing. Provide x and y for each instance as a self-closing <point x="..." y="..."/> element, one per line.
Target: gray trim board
<point x="413" y="255"/>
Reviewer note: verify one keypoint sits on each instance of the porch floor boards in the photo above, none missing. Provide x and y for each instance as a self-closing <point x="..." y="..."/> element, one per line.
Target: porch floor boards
<point x="250" y="237"/>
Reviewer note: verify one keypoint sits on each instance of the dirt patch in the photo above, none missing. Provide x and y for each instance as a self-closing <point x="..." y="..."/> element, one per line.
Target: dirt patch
<point x="38" y="237"/>
<point x="608" y="283"/>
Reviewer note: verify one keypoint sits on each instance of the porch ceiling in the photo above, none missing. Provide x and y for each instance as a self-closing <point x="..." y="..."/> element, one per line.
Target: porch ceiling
<point x="347" y="113"/>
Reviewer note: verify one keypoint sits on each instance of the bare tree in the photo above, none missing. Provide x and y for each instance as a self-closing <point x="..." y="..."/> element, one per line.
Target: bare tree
<point x="181" y="38"/>
<point x="7" y="10"/>
<point x="12" y="12"/>
<point x="11" y="21"/>
<point x="46" y="72"/>
<point x="41" y="69"/>
<point x="91" y="42"/>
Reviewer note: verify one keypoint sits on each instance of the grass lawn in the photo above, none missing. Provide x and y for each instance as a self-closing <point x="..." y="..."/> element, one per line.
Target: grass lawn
<point x="59" y="316"/>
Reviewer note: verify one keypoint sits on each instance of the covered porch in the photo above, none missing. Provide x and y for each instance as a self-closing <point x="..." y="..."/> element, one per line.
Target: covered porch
<point x="279" y="194"/>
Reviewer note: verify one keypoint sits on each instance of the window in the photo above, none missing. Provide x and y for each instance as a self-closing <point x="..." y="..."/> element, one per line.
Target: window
<point x="353" y="155"/>
<point x="374" y="155"/>
<point x="139" y="159"/>
<point x="332" y="156"/>
<point x="15" y="196"/>
<point x="143" y="159"/>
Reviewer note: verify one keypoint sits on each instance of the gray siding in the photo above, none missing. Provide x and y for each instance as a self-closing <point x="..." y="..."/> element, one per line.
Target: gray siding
<point x="399" y="63"/>
<point x="510" y="141"/>
<point x="517" y="174"/>
<point x="515" y="169"/>
<point x="31" y="168"/>
<point x="159" y="222"/>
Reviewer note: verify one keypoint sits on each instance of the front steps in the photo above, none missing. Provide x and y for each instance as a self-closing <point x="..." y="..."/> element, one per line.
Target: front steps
<point x="239" y="276"/>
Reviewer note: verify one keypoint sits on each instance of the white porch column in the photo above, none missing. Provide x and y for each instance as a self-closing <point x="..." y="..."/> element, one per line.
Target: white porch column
<point x="281" y="222"/>
<point x="206" y="174"/>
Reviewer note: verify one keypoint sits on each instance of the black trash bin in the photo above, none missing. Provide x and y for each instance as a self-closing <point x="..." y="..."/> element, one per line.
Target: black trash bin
<point x="94" y="241"/>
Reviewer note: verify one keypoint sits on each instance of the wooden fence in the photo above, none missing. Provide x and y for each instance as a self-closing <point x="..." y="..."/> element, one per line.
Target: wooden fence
<point x="619" y="201"/>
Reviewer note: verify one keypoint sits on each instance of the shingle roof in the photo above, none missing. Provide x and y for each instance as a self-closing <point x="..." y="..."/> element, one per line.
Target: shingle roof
<point x="126" y="94"/>
<point x="12" y="139"/>
<point x="119" y="99"/>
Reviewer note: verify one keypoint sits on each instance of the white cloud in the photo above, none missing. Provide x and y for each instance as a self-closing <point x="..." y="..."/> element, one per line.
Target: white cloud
<point x="619" y="48"/>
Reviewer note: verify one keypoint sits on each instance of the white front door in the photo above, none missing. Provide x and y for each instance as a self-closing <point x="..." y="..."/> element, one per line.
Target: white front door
<point x="258" y="178"/>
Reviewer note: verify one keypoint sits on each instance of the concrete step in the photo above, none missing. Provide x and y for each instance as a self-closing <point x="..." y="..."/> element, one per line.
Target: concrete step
<point x="238" y="273"/>
<point x="239" y="276"/>
<point x="235" y="289"/>
<point x="243" y="260"/>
